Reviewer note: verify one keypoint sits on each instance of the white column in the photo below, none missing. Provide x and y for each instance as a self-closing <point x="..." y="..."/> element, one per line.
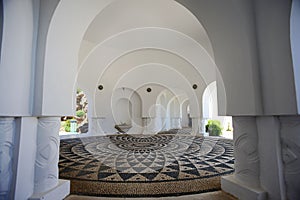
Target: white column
<point x="157" y="124"/>
<point x="245" y="181"/>
<point x="46" y="165"/>
<point x="7" y="134"/>
<point x="46" y="183"/>
<point x="175" y="123"/>
<point x="198" y="126"/>
<point x="290" y="140"/>
<point x="271" y="165"/>
<point x="145" y="122"/>
<point x="95" y="126"/>
<point x="164" y="123"/>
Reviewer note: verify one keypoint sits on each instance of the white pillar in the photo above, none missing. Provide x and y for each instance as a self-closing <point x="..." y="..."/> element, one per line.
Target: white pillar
<point x="271" y="164"/>
<point x="46" y="183"/>
<point x="175" y="123"/>
<point x="164" y="124"/>
<point x="245" y="181"/>
<point x="7" y="134"/>
<point x="198" y="126"/>
<point x="157" y="124"/>
<point x="46" y="165"/>
<point x="95" y="126"/>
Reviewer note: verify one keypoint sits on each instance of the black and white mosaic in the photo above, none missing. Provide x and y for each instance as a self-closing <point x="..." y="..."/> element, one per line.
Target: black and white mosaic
<point x="145" y="158"/>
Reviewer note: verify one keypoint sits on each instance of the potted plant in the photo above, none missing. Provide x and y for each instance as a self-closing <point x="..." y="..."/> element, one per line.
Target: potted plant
<point x="213" y="127"/>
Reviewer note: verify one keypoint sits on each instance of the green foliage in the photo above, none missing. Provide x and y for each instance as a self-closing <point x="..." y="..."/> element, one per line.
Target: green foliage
<point x="67" y="126"/>
<point x="80" y="113"/>
<point x="79" y="90"/>
<point x="214" y="127"/>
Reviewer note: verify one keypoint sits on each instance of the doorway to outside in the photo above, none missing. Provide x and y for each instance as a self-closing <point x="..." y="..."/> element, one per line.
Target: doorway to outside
<point x="77" y="124"/>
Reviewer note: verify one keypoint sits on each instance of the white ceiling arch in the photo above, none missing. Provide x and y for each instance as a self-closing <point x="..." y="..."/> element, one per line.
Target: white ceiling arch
<point x="143" y="56"/>
<point x="156" y="38"/>
<point x="127" y="15"/>
<point x="233" y="48"/>
<point x="165" y="76"/>
<point x="149" y="57"/>
<point x="66" y="31"/>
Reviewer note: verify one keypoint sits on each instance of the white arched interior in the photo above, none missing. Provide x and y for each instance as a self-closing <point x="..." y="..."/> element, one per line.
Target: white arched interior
<point x="157" y="73"/>
<point x="126" y="62"/>
<point x="91" y="70"/>
<point x="62" y="29"/>
<point x="107" y="122"/>
<point x="140" y="13"/>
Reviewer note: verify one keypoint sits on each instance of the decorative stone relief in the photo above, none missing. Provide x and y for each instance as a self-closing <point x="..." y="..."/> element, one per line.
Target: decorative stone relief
<point x="46" y="164"/>
<point x="290" y="141"/>
<point x="7" y="132"/>
<point x="245" y="150"/>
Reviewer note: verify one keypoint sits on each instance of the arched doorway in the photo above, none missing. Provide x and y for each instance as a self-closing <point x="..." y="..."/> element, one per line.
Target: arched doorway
<point x="79" y="123"/>
<point x="211" y="113"/>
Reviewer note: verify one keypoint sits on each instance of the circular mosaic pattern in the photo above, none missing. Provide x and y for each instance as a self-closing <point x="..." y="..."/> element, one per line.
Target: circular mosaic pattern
<point x="148" y="161"/>
<point x="141" y="143"/>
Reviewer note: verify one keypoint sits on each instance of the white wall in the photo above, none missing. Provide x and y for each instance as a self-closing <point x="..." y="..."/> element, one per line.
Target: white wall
<point x="16" y="58"/>
<point x="275" y="59"/>
<point x="231" y="31"/>
<point x="58" y="66"/>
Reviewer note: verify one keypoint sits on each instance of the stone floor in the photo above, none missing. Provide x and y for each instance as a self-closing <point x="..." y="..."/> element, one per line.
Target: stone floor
<point x="218" y="195"/>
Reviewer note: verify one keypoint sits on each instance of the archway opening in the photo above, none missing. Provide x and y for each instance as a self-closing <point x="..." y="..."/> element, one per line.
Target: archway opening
<point x="78" y="123"/>
<point x="100" y="56"/>
<point x="211" y="117"/>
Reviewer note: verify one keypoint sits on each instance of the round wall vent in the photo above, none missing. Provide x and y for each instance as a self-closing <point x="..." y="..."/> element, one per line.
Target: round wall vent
<point x="100" y="87"/>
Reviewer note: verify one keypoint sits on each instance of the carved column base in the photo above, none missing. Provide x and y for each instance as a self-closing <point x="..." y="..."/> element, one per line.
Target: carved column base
<point x="7" y="133"/>
<point x="232" y="185"/>
<point x="59" y="192"/>
<point x="290" y="140"/>
<point x="46" y="182"/>
<point x="245" y="184"/>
